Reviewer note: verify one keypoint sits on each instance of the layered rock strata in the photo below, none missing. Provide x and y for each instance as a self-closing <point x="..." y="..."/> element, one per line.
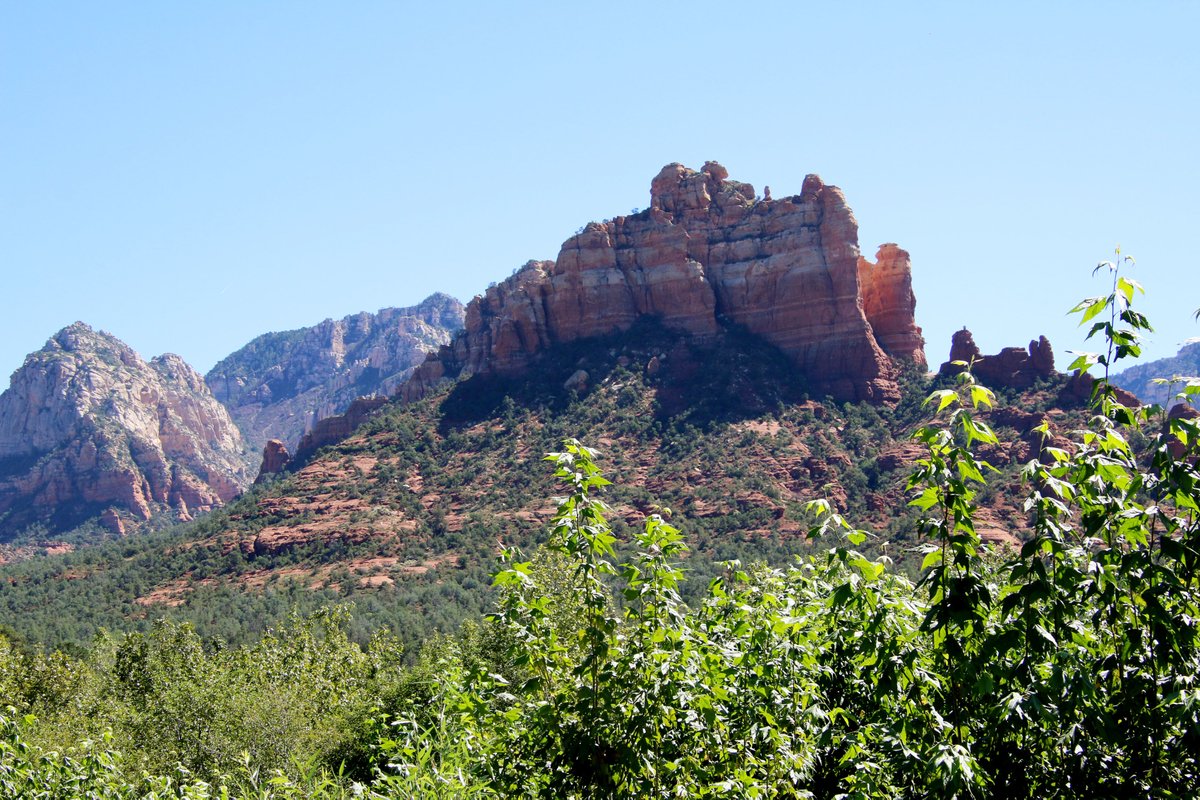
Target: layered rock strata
<point x="87" y="424"/>
<point x="708" y="253"/>
<point x="889" y="303"/>
<point x="279" y="385"/>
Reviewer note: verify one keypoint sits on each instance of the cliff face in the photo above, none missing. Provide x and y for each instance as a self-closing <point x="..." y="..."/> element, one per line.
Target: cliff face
<point x="87" y="424"/>
<point x="280" y="384"/>
<point x="706" y="254"/>
<point x="890" y="304"/>
<point x="329" y="430"/>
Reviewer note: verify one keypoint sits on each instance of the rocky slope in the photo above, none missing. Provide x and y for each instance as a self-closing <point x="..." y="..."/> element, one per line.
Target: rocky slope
<point x="88" y="428"/>
<point x="280" y="384"/>
<point x="708" y="254"/>
<point x="1140" y="379"/>
<point x="404" y="517"/>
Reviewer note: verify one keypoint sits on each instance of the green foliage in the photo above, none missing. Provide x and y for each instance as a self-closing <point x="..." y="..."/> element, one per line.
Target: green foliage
<point x="1065" y="668"/>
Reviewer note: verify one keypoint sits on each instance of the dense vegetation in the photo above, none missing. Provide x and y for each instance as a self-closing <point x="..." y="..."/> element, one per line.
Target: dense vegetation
<point x="1063" y="668"/>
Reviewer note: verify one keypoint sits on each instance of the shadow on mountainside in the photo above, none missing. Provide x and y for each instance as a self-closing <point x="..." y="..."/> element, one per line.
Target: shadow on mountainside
<point x="737" y="376"/>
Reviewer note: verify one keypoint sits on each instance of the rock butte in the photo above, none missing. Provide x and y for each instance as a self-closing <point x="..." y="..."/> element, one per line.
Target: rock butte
<point x="708" y="253"/>
<point x="275" y="460"/>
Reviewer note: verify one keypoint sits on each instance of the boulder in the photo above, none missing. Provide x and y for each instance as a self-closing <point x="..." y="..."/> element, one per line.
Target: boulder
<point x="577" y="382"/>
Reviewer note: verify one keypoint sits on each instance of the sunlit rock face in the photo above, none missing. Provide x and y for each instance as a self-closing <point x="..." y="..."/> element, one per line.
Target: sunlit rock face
<point x="890" y="305"/>
<point x="708" y="253"/>
<point x="280" y="385"/>
<point x="86" y="425"/>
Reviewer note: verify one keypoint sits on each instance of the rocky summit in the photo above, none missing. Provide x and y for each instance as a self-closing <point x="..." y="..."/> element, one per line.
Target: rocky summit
<point x="281" y="384"/>
<point x="708" y="253"/>
<point x="89" y="429"/>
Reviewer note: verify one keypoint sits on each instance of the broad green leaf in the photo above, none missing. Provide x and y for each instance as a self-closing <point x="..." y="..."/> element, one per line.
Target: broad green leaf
<point x="1092" y="310"/>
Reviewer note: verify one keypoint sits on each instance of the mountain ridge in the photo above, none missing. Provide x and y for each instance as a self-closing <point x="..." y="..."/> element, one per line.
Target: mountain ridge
<point x="88" y="427"/>
<point x="279" y="385"/>
<point x="1140" y="378"/>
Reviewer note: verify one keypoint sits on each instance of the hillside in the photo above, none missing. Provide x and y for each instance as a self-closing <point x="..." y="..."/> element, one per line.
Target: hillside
<point x="278" y="385"/>
<point x="89" y="431"/>
<point x="406" y="516"/>
<point x="1139" y="379"/>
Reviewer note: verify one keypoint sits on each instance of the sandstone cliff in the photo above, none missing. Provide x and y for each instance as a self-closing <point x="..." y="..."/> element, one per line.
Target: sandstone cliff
<point x="707" y="254"/>
<point x="281" y="384"/>
<point x="86" y="425"/>
<point x="329" y="430"/>
<point x="890" y="304"/>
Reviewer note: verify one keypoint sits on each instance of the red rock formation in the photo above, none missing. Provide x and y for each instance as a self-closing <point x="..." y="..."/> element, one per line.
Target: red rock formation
<point x="1041" y="356"/>
<point x="707" y="253"/>
<point x="1012" y="367"/>
<point x="111" y="520"/>
<point x="889" y="303"/>
<point x="1081" y="384"/>
<point x="275" y="460"/>
<point x="333" y="429"/>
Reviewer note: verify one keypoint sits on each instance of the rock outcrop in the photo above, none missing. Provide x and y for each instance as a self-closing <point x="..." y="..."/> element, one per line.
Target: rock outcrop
<point x="86" y="425"/>
<point x="331" y="430"/>
<point x="707" y="254"/>
<point x="890" y="304"/>
<point x="1012" y="367"/>
<point x="281" y="384"/>
<point x="1081" y="385"/>
<point x="274" y="461"/>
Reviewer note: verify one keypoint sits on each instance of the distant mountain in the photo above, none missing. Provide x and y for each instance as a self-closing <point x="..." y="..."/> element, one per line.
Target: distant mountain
<point x="88" y="429"/>
<point x="1140" y="379"/>
<point x="280" y="384"/>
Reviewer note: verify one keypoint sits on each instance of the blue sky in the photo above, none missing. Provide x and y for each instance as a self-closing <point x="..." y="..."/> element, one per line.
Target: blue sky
<point x="190" y="175"/>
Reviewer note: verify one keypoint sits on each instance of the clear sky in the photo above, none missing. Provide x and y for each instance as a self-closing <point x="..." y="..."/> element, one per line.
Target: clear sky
<point x="188" y="175"/>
